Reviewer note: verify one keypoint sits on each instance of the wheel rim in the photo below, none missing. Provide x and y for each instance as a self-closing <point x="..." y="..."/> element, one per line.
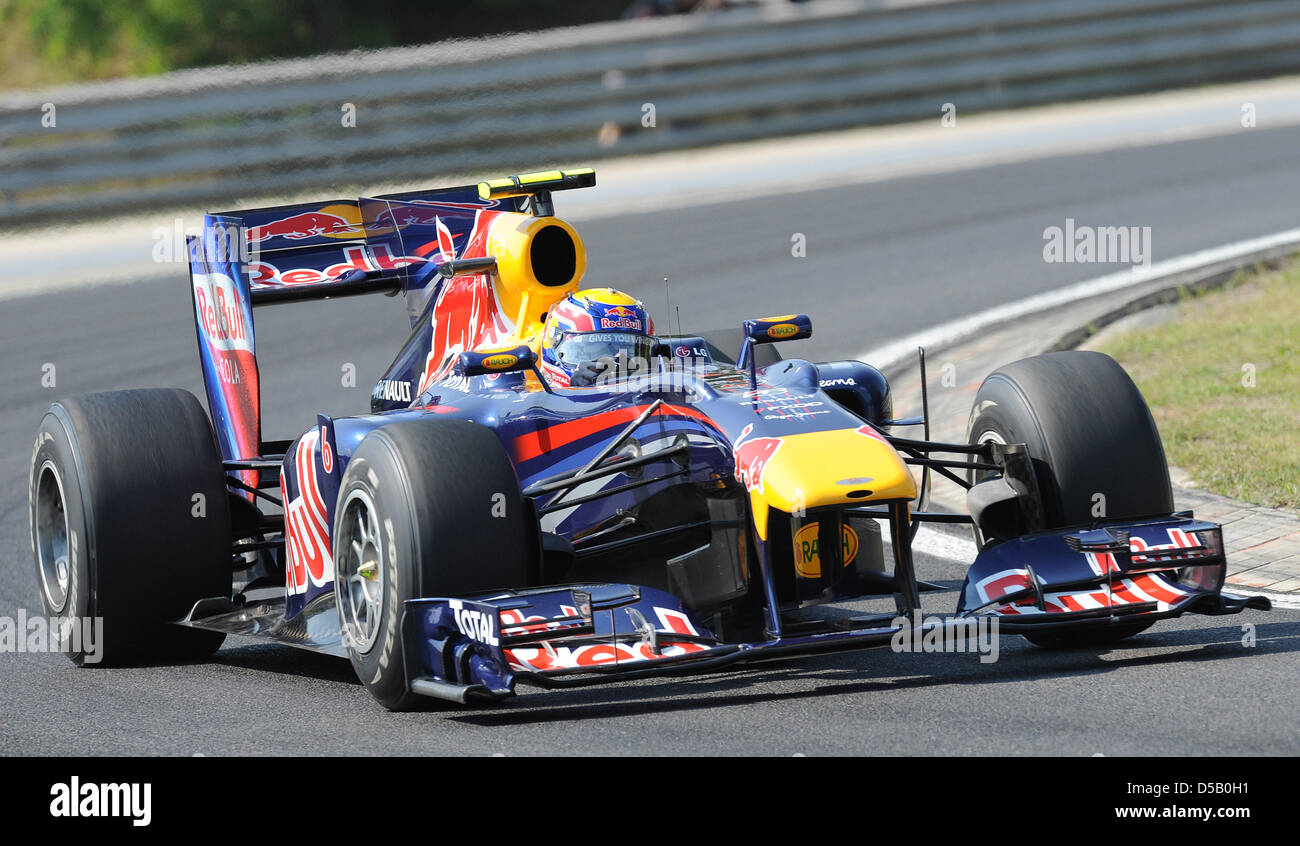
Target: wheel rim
<point x="990" y="436"/>
<point x="52" y="548"/>
<point x="987" y="436"/>
<point x="359" y="574"/>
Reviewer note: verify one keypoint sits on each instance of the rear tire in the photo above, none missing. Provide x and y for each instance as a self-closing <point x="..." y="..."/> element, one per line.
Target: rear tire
<point x="130" y="522"/>
<point x="430" y="508"/>
<point x="1095" y="449"/>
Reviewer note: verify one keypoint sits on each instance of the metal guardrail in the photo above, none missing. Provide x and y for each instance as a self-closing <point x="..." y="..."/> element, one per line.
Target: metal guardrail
<point x="220" y="136"/>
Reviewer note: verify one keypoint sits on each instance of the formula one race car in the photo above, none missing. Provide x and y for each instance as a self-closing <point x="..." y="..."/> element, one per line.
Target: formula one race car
<point x="548" y="492"/>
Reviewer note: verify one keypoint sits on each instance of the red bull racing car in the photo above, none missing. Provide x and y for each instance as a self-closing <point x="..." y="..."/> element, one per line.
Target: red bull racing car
<point x="548" y="492"/>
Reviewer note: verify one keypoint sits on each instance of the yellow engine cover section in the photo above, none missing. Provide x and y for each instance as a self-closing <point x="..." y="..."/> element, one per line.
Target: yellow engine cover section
<point x="817" y="469"/>
<point x="540" y="261"/>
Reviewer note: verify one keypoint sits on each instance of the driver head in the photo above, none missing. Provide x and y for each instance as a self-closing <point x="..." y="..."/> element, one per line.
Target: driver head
<point x="594" y="324"/>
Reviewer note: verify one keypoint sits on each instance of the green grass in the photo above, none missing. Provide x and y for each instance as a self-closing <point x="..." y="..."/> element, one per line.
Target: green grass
<point x="1232" y="437"/>
<point x="47" y="42"/>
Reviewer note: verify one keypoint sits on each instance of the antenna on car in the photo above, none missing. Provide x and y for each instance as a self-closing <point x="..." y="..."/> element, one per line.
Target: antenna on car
<point x="668" y="300"/>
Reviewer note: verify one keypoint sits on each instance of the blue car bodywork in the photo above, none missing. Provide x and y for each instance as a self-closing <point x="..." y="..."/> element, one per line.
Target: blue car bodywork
<point x="682" y="510"/>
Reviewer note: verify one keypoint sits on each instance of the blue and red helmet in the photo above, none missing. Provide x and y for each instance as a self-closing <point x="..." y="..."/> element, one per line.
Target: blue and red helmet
<point x="591" y="325"/>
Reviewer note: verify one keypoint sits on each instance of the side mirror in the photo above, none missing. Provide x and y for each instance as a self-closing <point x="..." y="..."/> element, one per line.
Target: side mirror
<point x="770" y="330"/>
<point x="482" y="362"/>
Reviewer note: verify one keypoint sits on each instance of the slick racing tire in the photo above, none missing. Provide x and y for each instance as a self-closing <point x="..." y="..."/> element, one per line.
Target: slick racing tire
<point x="130" y="523"/>
<point x="426" y="508"/>
<point x="724" y="347"/>
<point x="1094" y="446"/>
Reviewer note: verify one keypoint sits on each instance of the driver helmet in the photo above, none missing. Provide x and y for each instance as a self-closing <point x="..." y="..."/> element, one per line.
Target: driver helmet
<point x="590" y="326"/>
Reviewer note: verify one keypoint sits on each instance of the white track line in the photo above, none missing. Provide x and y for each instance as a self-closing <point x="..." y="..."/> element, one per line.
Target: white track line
<point x="1279" y="600"/>
<point x="944" y="545"/>
<point x="954" y="330"/>
<point x="937" y="544"/>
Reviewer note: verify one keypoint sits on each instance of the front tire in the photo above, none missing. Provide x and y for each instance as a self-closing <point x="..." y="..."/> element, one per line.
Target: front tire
<point x="426" y="508"/>
<point x="130" y="522"/>
<point x="1095" y="449"/>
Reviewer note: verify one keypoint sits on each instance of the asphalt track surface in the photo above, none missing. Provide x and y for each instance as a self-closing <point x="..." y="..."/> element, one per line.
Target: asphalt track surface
<point x="883" y="260"/>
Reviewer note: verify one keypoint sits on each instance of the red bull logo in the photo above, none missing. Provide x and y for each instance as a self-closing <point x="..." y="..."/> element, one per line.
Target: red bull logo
<point x="354" y="258"/>
<point x="423" y="212"/>
<point x="752" y="457"/>
<point x="406" y="216"/>
<point x="307" y="538"/>
<point x="220" y="312"/>
<point x="620" y="317"/>
<point x="299" y="227"/>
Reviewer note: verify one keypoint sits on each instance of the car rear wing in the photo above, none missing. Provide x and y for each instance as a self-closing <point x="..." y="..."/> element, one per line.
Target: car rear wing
<point x="390" y="244"/>
<point x="387" y="244"/>
<point x="408" y="243"/>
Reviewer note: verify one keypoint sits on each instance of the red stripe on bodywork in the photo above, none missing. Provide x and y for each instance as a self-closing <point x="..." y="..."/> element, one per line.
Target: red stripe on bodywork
<point x="1153" y="586"/>
<point x="544" y="440"/>
<point x="1123" y="594"/>
<point x="1070" y="603"/>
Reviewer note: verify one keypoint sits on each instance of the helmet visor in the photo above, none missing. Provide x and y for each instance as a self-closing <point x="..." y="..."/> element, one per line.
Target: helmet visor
<point x="576" y="347"/>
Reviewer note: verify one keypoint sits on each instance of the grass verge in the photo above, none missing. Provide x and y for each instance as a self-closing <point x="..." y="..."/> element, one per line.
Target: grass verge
<point x="1223" y="382"/>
